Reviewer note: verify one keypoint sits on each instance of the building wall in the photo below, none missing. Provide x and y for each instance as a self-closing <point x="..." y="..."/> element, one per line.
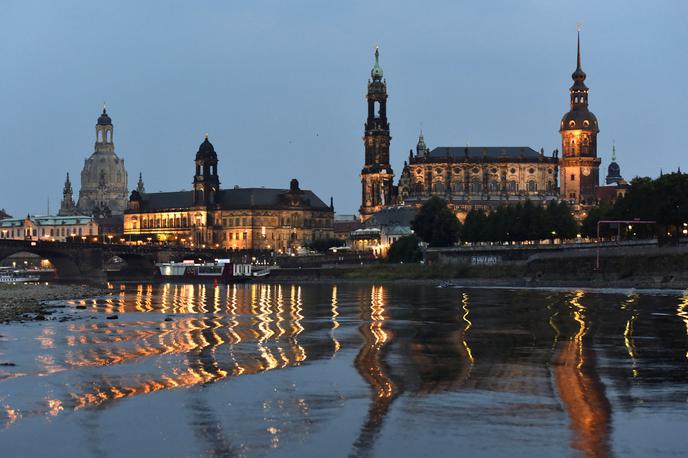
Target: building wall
<point x="57" y="231"/>
<point x="257" y="229"/>
<point x="480" y="184"/>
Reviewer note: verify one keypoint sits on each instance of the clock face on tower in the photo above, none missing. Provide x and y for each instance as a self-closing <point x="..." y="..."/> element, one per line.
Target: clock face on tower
<point x="586" y="171"/>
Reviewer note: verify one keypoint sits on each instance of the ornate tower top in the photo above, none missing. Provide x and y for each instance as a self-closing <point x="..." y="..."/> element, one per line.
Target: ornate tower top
<point x="421" y="147"/>
<point x="579" y="117"/>
<point x="140" y="188"/>
<point x="376" y="73"/>
<point x="67" y="186"/>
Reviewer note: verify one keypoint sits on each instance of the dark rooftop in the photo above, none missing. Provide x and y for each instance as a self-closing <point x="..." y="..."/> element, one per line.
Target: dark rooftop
<point x="478" y="152"/>
<point x="234" y="199"/>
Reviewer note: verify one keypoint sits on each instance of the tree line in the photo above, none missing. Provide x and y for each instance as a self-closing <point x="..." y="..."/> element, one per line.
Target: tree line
<point x="663" y="199"/>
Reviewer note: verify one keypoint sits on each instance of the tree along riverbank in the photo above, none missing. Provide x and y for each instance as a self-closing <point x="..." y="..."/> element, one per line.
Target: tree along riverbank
<point x="27" y="301"/>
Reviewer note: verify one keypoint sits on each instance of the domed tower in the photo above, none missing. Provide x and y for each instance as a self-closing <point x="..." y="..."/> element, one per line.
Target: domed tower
<point x="377" y="174"/>
<point x="579" y="165"/>
<point x="104" y="180"/>
<point x="206" y="182"/>
<point x="613" y="171"/>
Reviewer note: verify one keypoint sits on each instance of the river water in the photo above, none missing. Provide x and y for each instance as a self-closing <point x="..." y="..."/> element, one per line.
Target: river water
<point x="349" y="370"/>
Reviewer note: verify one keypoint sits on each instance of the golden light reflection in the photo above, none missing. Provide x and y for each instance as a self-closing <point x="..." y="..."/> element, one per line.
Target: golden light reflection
<point x="628" y="331"/>
<point x="464" y="306"/>
<point x="369" y="363"/>
<point x="682" y="312"/>
<point x="579" y="316"/>
<point x="581" y="389"/>
<point x="335" y="323"/>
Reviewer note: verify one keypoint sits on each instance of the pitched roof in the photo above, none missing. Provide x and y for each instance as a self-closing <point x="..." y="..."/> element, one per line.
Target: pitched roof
<point x="233" y="199"/>
<point x="490" y="152"/>
<point x="392" y="216"/>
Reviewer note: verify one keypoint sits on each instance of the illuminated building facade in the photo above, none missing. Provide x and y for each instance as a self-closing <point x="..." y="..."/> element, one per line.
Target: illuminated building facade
<point x="48" y="228"/>
<point x="283" y="220"/>
<point x="482" y="177"/>
<point x="466" y="177"/>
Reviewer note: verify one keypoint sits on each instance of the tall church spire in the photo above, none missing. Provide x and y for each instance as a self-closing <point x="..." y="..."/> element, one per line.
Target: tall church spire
<point x="139" y="186"/>
<point x="67" y="207"/>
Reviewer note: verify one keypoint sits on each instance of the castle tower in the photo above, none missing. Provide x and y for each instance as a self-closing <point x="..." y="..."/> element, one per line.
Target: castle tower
<point x="377" y="175"/>
<point x="104" y="180"/>
<point x="67" y="207"/>
<point x="579" y="165"/>
<point x="206" y="182"/>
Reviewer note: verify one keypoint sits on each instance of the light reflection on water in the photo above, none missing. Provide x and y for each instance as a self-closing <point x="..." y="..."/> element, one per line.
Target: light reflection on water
<point x="553" y="367"/>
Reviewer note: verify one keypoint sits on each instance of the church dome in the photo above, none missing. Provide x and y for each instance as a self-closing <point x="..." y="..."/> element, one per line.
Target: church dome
<point x="579" y="119"/>
<point x="206" y="151"/>
<point x="614" y="170"/>
<point x="104" y="119"/>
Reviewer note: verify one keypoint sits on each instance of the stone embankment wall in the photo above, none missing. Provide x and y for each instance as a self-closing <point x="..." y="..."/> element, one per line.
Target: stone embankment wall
<point x="646" y="267"/>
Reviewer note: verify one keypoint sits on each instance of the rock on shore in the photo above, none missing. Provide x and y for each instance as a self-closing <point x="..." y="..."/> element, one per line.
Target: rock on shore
<point x="27" y="301"/>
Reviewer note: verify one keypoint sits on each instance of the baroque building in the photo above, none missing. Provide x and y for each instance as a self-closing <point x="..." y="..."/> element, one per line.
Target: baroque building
<point x="466" y="177"/>
<point x="579" y="162"/>
<point x="377" y="175"/>
<point x="483" y="177"/>
<point x="283" y="220"/>
<point x="104" y="180"/>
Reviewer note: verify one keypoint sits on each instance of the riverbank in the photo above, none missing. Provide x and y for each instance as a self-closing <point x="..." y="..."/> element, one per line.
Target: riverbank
<point x="672" y="276"/>
<point x="27" y="302"/>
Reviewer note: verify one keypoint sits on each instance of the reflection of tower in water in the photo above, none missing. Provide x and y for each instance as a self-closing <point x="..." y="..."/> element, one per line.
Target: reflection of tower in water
<point x="580" y="387"/>
<point x="371" y="366"/>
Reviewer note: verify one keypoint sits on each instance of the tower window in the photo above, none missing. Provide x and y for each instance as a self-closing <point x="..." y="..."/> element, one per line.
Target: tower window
<point x="573" y="177"/>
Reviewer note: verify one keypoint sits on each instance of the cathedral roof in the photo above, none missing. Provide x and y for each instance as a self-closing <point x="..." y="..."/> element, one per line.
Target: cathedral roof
<point x="206" y="151"/>
<point x="104" y="119"/>
<point x="493" y="153"/>
<point x="233" y="199"/>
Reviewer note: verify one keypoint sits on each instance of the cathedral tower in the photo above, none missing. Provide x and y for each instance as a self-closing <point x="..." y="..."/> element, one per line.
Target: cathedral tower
<point x="579" y="164"/>
<point x="206" y="182"/>
<point x="377" y="174"/>
<point x="104" y="181"/>
<point x="67" y="207"/>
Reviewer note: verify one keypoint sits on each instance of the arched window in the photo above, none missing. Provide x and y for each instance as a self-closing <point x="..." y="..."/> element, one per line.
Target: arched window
<point x="532" y="186"/>
<point x="457" y="186"/>
<point x="419" y="187"/>
<point x="573" y="177"/>
<point x="438" y="187"/>
<point x="493" y="186"/>
<point x="511" y="186"/>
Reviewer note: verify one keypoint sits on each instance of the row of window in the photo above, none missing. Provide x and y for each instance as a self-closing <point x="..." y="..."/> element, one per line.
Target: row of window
<point x="43" y="232"/>
<point x="183" y="222"/>
<point x="477" y="187"/>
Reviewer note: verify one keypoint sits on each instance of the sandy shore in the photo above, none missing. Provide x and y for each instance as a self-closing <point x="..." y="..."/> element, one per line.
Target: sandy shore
<point x="26" y="301"/>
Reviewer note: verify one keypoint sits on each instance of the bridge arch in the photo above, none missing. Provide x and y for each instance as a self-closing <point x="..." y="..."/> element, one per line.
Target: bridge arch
<point x="70" y="263"/>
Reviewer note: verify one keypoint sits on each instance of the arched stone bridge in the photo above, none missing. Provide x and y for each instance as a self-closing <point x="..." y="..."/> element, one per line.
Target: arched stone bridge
<point x="86" y="261"/>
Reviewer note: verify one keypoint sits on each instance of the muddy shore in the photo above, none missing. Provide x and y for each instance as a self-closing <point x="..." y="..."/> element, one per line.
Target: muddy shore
<point x="26" y="302"/>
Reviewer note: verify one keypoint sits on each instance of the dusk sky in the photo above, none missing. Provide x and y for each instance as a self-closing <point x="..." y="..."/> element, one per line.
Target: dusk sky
<point x="280" y="86"/>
